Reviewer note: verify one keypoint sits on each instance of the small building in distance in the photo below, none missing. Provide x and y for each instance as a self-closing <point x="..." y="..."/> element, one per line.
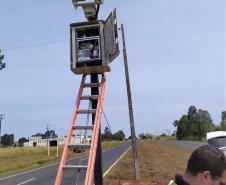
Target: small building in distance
<point x="38" y="141"/>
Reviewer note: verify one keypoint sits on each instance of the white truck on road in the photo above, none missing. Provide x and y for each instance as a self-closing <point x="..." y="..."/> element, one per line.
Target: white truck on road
<point x="217" y="139"/>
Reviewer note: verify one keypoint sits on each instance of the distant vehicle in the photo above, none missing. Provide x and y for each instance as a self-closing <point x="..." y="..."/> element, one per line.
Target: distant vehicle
<point x="217" y="139"/>
<point x="78" y="150"/>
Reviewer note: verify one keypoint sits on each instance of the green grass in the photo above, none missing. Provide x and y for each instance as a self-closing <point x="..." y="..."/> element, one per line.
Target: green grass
<point x="109" y="144"/>
<point x="15" y="158"/>
<point x="158" y="164"/>
<point x="18" y="158"/>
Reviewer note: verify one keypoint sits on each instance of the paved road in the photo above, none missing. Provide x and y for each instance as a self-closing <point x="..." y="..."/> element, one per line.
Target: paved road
<point x="45" y="175"/>
<point x="187" y="144"/>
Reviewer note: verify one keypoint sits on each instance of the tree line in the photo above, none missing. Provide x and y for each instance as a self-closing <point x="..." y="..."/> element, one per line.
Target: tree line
<point x="47" y="135"/>
<point x="195" y="124"/>
<point x="108" y="136"/>
<point x="8" y="139"/>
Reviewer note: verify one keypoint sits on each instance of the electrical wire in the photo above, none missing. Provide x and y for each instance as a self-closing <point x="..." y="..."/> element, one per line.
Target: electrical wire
<point x="116" y="147"/>
<point x="106" y="119"/>
<point x="35" y="45"/>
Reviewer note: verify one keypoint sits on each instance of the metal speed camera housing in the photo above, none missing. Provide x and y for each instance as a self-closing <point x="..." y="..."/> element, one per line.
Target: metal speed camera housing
<point x="94" y="44"/>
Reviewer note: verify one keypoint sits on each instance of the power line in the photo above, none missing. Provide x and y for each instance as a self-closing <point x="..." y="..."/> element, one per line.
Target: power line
<point x="105" y="117"/>
<point x="35" y="45"/>
<point x="116" y="147"/>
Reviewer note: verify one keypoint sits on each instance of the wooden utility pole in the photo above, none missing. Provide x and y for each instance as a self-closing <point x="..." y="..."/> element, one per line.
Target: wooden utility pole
<point x="130" y="105"/>
<point x="98" y="167"/>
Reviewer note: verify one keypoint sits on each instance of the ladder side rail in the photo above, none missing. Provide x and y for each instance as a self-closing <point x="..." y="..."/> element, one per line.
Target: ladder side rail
<point x="70" y="131"/>
<point x="92" y="155"/>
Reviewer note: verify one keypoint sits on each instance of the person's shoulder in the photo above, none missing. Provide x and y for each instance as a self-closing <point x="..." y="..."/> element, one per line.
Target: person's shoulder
<point x="179" y="180"/>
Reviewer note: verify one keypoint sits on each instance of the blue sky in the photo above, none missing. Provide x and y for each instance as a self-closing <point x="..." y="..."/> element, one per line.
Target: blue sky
<point x="176" y="53"/>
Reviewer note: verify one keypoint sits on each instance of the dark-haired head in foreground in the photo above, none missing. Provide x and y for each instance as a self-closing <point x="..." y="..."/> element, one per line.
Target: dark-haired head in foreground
<point x="206" y="166"/>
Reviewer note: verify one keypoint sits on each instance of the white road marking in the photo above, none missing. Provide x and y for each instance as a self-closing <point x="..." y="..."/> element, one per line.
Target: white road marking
<point x="27" y="181"/>
<point x="84" y="158"/>
<point x="109" y="169"/>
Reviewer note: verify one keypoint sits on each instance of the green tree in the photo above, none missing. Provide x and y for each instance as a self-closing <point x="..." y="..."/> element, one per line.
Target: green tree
<point x="182" y="127"/>
<point x="22" y="140"/>
<point x="7" y="140"/>
<point x="217" y="128"/>
<point x="107" y="134"/>
<point x="223" y="127"/>
<point x="205" y="123"/>
<point x="194" y="125"/>
<point x="149" y="136"/>
<point x="49" y="134"/>
<point x="223" y="121"/>
<point x="142" y="136"/>
<point x="119" y="135"/>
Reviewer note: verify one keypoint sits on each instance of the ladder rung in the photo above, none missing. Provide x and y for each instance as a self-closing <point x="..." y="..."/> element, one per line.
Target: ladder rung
<point x="92" y="97"/>
<point x="91" y="85"/>
<point x="89" y="111"/>
<point x="83" y="127"/>
<point x="75" y="167"/>
<point x="79" y="145"/>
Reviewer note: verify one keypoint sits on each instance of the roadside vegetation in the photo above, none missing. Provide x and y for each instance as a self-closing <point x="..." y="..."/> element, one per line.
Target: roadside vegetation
<point x="110" y="144"/>
<point x="158" y="164"/>
<point x="156" y="137"/>
<point x="195" y="124"/>
<point x="14" y="158"/>
<point x="191" y="126"/>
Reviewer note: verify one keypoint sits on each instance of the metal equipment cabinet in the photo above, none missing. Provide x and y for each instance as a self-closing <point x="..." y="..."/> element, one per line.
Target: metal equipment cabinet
<point x="94" y="44"/>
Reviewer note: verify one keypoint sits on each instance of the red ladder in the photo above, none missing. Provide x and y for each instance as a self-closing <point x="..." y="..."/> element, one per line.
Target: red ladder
<point x="95" y="131"/>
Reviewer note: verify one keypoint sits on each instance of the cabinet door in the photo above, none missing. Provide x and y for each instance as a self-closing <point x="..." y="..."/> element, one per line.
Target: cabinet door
<point x="111" y="37"/>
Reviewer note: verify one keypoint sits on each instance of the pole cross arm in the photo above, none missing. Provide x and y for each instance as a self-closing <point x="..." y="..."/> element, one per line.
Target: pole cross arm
<point x="77" y="3"/>
<point x="90" y="7"/>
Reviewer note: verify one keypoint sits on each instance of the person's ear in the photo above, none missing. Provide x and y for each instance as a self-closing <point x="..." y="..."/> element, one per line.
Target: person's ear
<point x="206" y="176"/>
